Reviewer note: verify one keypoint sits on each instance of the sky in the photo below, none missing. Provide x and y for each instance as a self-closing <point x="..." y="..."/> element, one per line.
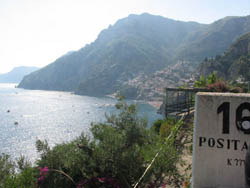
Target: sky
<point x="37" y="32"/>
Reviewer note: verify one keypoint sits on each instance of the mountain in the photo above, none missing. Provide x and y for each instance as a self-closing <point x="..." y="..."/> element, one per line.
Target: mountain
<point x="136" y="45"/>
<point x="234" y="64"/>
<point x="213" y="39"/>
<point x="16" y="75"/>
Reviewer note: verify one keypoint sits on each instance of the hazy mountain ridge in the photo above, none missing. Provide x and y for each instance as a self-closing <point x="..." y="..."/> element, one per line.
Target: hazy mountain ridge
<point x="234" y="64"/>
<point x="138" y="44"/>
<point x="16" y="74"/>
<point x="214" y="38"/>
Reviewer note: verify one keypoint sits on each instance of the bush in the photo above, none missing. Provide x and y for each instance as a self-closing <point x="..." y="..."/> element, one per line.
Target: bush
<point x="219" y="86"/>
<point x="166" y="127"/>
<point x="7" y="168"/>
<point x="200" y="83"/>
<point x="26" y="178"/>
<point x="157" y="125"/>
<point x="214" y="84"/>
<point x="116" y="156"/>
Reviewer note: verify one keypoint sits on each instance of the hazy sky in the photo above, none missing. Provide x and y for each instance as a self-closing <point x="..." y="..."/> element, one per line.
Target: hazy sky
<point x="37" y="32"/>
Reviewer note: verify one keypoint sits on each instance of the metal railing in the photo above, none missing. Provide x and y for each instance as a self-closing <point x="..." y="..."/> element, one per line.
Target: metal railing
<point x="180" y="100"/>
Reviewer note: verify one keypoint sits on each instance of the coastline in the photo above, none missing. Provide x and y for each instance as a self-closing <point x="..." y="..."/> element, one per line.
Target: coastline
<point x="155" y="104"/>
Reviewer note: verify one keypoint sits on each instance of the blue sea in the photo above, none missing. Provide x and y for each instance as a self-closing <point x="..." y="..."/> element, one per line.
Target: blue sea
<point x="28" y="115"/>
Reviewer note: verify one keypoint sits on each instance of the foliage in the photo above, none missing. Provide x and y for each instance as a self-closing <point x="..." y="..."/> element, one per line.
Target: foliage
<point x="183" y="140"/>
<point x="26" y="178"/>
<point x="157" y="125"/>
<point x="234" y="64"/>
<point x="212" y="79"/>
<point x="163" y="127"/>
<point x="200" y="83"/>
<point x="166" y="127"/>
<point x="116" y="155"/>
<point x="219" y="86"/>
<point x="243" y="86"/>
<point x="6" y="168"/>
<point x="215" y="84"/>
<point x="204" y="82"/>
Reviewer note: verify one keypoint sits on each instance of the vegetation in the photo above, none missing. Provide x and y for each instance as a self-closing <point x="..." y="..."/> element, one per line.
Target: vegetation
<point x="234" y="64"/>
<point x="121" y="152"/>
<point x="215" y="84"/>
<point x="184" y="139"/>
<point x="18" y="174"/>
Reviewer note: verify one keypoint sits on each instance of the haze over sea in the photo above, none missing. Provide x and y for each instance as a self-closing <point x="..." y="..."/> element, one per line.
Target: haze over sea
<point x="55" y="116"/>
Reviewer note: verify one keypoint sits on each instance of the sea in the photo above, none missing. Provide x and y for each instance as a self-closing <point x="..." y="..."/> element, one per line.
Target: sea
<point x="58" y="117"/>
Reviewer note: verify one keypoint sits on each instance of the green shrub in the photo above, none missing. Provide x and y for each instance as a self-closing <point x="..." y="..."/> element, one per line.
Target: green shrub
<point x="166" y="127"/>
<point x="25" y="178"/>
<point x="157" y="125"/>
<point x="117" y="154"/>
<point x="7" y="168"/>
<point x="200" y="83"/>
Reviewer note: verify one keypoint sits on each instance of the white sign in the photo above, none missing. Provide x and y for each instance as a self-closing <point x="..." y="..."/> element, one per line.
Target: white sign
<point x="221" y="140"/>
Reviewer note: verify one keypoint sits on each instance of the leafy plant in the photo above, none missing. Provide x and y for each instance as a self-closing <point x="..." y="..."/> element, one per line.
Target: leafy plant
<point x="121" y="152"/>
<point x="200" y="83"/>
<point x="211" y="79"/>
<point x="219" y="86"/>
<point x="116" y="156"/>
<point x="7" y="168"/>
<point x="25" y="178"/>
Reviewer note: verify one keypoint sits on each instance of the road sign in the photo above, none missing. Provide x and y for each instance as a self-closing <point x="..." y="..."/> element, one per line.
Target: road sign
<point x="221" y="140"/>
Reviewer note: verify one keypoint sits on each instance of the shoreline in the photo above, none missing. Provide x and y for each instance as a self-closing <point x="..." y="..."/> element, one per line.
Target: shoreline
<point x="155" y="104"/>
